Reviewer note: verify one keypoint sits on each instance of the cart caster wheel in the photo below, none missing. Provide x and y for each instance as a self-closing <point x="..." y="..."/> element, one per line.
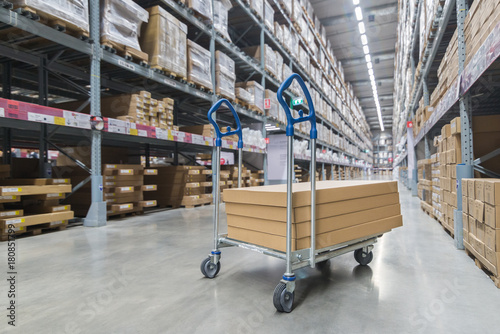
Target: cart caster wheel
<point x="363" y="258"/>
<point x="209" y="269"/>
<point x="283" y="299"/>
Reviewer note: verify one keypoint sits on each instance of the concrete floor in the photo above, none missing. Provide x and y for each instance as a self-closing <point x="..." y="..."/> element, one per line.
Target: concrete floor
<point x="141" y="275"/>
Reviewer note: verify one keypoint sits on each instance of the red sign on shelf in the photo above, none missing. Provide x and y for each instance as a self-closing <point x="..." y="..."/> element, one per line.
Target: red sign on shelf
<point x="267" y="103"/>
<point x="409" y="124"/>
<point x="390" y="160"/>
<point x="267" y="140"/>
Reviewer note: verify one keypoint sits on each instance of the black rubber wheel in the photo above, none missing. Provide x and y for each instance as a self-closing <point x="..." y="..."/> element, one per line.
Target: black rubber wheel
<point x="209" y="269"/>
<point x="283" y="299"/>
<point x="363" y="258"/>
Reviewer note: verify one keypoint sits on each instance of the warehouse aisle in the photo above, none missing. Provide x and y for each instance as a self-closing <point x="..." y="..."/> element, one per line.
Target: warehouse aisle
<point x="141" y="275"/>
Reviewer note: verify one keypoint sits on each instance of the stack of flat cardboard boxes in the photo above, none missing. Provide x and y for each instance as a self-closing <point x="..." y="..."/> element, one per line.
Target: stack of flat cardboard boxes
<point x="225" y="76"/>
<point x="481" y="222"/>
<point x="32" y="205"/>
<point x="181" y="186"/>
<point x="346" y="210"/>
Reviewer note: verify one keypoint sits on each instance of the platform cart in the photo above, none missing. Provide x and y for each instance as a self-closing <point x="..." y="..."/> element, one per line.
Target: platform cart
<point x="283" y="296"/>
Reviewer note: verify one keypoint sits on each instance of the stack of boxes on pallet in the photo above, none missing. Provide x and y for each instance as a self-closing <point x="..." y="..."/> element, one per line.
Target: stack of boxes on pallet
<point x="481" y="222"/>
<point x="425" y="184"/>
<point x="121" y="28"/>
<point x="436" y="184"/>
<point x="206" y="130"/>
<point x="124" y="188"/>
<point x="450" y="154"/>
<point x="138" y="108"/>
<point x="31" y="206"/>
<point x="177" y="186"/>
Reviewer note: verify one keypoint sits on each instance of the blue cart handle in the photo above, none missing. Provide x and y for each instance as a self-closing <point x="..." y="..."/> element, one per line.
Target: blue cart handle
<point x="218" y="139"/>
<point x="290" y="120"/>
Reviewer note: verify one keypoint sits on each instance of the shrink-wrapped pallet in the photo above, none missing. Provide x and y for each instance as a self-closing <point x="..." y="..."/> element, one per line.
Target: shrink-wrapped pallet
<point x="243" y="95"/>
<point x="74" y="14"/>
<point x="202" y="8"/>
<point x="221" y="8"/>
<point x="269" y="16"/>
<point x="269" y="57"/>
<point x="164" y="39"/>
<point x="258" y="7"/>
<point x="121" y="23"/>
<point x="273" y="111"/>
<point x="257" y="93"/>
<point x="199" y="64"/>
<point x="225" y="77"/>
<point x="287" y="6"/>
<point x="279" y="67"/>
<point x="278" y="32"/>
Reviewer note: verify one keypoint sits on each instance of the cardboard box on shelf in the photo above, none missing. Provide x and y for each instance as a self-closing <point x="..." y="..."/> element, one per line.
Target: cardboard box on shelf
<point x="492" y="215"/>
<point x="492" y="238"/>
<point x="492" y="192"/>
<point x="164" y="38"/>
<point x="479" y="190"/>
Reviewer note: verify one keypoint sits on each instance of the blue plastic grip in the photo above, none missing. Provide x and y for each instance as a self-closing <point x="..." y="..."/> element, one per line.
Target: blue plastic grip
<point x="218" y="139"/>
<point x="290" y="120"/>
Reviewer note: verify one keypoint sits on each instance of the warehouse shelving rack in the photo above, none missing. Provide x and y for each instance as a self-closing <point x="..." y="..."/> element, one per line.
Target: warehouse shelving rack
<point x="479" y="76"/>
<point x="82" y="69"/>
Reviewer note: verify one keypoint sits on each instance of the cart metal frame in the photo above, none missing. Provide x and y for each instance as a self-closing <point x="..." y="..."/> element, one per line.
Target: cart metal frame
<point x="283" y="296"/>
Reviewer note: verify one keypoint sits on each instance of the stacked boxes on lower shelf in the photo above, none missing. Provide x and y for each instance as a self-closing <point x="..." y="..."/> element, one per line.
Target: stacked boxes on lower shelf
<point x="436" y="186"/>
<point x="425" y="183"/>
<point x="124" y="188"/>
<point x="481" y="222"/>
<point x="181" y="186"/>
<point x="30" y="206"/>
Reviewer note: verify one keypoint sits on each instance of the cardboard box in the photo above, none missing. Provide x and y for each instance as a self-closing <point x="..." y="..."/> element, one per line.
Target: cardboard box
<point x="480" y="230"/>
<point x="303" y="229"/>
<point x="36" y="219"/>
<point x="471" y="188"/>
<point x="322" y="240"/>
<point x="465" y="188"/>
<point x="492" y="191"/>
<point x="492" y="238"/>
<point x="446" y="131"/>
<point x="303" y="214"/>
<point x="493" y="259"/>
<point x="465" y="221"/>
<point x="479" y="210"/>
<point x="465" y="205"/>
<point x="479" y="190"/>
<point x="455" y="126"/>
<point x="492" y="215"/>
<point x="466" y="235"/>
<point x="35" y="190"/>
<point x="472" y="225"/>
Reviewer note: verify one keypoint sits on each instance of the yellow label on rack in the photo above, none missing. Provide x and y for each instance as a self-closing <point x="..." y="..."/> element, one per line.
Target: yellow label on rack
<point x="207" y="142"/>
<point x="134" y="132"/>
<point x="59" y="121"/>
<point x="170" y="137"/>
<point x="231" y="146"/>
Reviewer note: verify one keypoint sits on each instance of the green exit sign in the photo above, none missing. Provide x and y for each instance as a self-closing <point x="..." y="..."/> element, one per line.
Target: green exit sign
<point x="297" y="101"/>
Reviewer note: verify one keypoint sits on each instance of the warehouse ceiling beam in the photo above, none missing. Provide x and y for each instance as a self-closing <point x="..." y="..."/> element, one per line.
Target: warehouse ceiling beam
<point x="380" y="98"/>
<point x="381" y="81"/>
<point x="376" y="58"/>
<point x="383" y="10"/>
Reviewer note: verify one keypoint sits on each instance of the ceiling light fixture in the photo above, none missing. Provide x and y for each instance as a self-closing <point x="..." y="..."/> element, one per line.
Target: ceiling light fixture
<point x="368" y="58"/>
<point x="361" y="26"/>
<point x="359" y="13"/>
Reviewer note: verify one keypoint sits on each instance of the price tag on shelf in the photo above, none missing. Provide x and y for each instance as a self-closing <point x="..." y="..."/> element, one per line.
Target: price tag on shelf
<point x="2" y="112"/>
<point x="134" y="132"/>
<point x="142" y="133"/>
<point x="197" y="139"/>
<point x="40" y="118"/>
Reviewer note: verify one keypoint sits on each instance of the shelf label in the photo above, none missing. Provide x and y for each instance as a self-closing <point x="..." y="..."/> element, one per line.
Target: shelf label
<point x="40" y="118"/>
<point x="2" y="112"/>
<point x="142" y="133"/>
<point x="196" y="139"/>
<point x="133" y="132"/>
<point x="59" y="121"/>
<point x="126" y="65"/>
